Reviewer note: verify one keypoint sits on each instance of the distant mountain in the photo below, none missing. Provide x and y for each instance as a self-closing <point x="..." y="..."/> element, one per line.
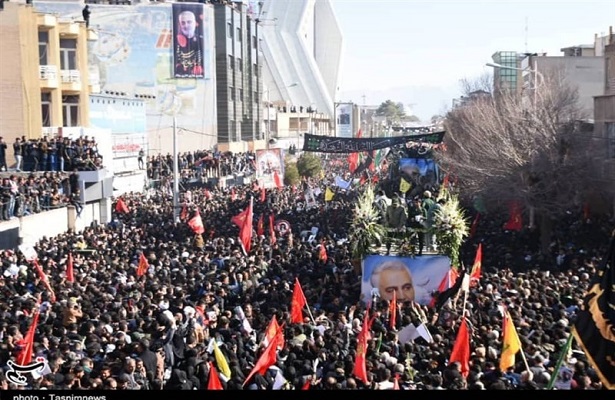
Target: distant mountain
<point x="422" y="101"/>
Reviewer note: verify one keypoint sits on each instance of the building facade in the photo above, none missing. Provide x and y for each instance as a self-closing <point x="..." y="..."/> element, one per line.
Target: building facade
<point x="604" y="115"/>
<point x="136" y="56"/>
<point x="46" y="85"/>
<point x="302" y="48"/>
<point x="508" y="76"/>
<point x="238" y="77"/>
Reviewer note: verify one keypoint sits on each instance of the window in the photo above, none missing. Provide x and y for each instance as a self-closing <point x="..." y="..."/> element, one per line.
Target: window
<point x="256" y="97"/>
<point x="239" y="65"/>
<point x="240" y="95"/>
<point x="231" y="62"/>
<point x="229" y="30"/>
<point x="70" y="110"/>
<point x="254" y="42"/>
<point x="231" y="91"/>
<point x="43" y="43"/>
<point x="255" y="69"/>
<point x="238" y="33"/>
<point x="46" y="108"/>
<point x="68" y="54"/>
<point x="610" y="134"/>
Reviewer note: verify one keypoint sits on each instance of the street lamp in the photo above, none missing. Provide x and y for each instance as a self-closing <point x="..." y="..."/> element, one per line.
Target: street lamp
<point x="268" y="91"/>
<point x="533" y="71"/>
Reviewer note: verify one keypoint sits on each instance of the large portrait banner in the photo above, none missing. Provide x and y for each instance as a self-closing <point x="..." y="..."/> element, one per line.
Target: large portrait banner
<point x="267" y="162"/>
<point x="410" y="278"/>
<point x="188" y="42"/>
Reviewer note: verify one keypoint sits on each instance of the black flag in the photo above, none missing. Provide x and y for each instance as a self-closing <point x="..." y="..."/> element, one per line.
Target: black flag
<point x="594" y="328"/>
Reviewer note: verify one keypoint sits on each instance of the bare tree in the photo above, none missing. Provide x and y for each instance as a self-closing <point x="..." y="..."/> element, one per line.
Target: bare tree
<point x="483" y="83"/>
<point x="510" y="148"/>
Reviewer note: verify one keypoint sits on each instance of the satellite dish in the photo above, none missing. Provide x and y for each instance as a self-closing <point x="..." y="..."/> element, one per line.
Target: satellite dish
<point x="273" y="141"/>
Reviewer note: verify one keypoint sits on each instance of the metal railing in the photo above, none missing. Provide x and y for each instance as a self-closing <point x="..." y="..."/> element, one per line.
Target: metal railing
<point x="48" y="72"/>
<point x="70" y="76"/>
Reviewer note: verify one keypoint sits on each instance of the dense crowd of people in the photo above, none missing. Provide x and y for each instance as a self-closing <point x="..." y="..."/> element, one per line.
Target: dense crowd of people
<point x="109" y="328"/>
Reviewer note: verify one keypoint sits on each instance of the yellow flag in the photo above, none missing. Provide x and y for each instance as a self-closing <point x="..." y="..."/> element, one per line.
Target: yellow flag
<point x="329" y="194"/>
<point x="221" y="362"/>
<point x="404" y="185"/>
<point x="510" y="344"/>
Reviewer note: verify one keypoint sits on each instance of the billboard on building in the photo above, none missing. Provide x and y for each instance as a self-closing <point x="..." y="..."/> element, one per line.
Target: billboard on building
<point x="343" y="112"/>
<point x="188" y="43"/>
<point x="134" y="56"/>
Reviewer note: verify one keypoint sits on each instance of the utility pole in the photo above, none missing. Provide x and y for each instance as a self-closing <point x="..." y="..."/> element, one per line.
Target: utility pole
<point x="175" y="173"/>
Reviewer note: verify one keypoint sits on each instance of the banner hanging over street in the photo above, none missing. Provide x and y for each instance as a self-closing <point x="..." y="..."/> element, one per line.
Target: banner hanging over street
<point x="327" y="144"/>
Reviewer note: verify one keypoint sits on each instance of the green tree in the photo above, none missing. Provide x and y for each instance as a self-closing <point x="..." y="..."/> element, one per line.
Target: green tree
<point x="291" y="173"/>
<point x="309" y="165"/>
<point x="393" y="112"/>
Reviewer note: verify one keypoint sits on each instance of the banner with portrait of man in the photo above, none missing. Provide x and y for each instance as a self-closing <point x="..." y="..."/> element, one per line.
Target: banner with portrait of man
<point x="267" y="162"/>
<point x="410" y="278"/>
<point x="188" y="41"/>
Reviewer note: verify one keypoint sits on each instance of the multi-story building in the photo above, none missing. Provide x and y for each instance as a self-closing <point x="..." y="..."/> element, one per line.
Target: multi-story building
<point x="604" y="115"/>
<point x="583" y="72"/>
<point x="302" y="48"/>
<point x="508" y="76"/>
<point x="238" y="78"/>
<point x="46" y="85"/>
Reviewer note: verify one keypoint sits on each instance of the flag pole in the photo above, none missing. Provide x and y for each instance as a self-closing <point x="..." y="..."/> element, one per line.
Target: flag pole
<point x="560" y="361"/>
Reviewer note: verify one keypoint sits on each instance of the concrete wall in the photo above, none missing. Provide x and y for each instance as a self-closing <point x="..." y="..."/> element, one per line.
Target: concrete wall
<point x="30" y="229"/>
<point x="585" y="73"/>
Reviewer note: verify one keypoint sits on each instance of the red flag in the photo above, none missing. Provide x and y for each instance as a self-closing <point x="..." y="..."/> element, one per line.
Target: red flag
<point x="359" y="133"/>
<point x="233" y="194"/>
<point x="240" y="218"/>
<point x="274" y="332"/>
<point x="43" y="277"/>
<point x="474" y="225"/>
<point x="353" y="161"/>
<point x="25" y="354"/>
<point x="477" y="267"/>
<point x="297" y="303"/>
<point x="266" y="360"/>
<point x="196" y="223"/>
<point x="322" y="255"/>
<point x="277" y="180"/>
<point x="515" y="221"/>
<point x="393" y="310"/>
<point x="396" y="382"/>
<point x="245" y="229"/>
<point x="184" y="214"/>
<point x="214" y="380"/>
<point x="263" y="195"/>
<point x="70" y="276"/>
<point x="121" y="206"/>
<point x="272" y="230"/>
<point x="445" y="182"/>
<point x="360" y="366"/>
<point x="143" y="265"/>
<point x="260" y="226"/>
<point x="461" y="348"/>
<point x="306" y="385"/>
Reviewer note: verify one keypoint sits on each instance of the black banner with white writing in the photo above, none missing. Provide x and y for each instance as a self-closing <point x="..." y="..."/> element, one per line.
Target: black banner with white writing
<point x="327" y="144"/>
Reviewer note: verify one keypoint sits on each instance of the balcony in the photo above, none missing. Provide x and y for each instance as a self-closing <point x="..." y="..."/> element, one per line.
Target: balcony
<point x="46" y="21"/>
<point x="69" y="30"/>
<point x="48" y="75"/>
<point x="71" y="80"/>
